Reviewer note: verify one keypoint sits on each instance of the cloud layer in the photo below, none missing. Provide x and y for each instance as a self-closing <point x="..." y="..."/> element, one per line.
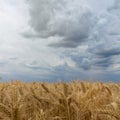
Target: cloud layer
<point x="75" y="24"/>
<point x="54" y="40"/>
<point x="70" y="22"/>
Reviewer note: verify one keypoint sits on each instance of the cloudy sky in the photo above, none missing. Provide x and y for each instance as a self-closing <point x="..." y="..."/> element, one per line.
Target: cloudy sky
<point x="55" y="40"/>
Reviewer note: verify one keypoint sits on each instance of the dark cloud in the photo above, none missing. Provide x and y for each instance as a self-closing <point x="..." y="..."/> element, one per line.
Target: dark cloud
<point x="115" y="6"/>
<point x="96" y="56"/>
<point x="103" y="62"/>
<point x="66" y="73"/>
<point x="82" y="59"/>
<point x="105" y="51"/>
<point x="56" y="73"/>
<point x="93" y="61"/>
<point x="83" y="63"/>
<point x="109" y="52"/>
<point x="71" y="23"/>
<point x="76" y="32"/>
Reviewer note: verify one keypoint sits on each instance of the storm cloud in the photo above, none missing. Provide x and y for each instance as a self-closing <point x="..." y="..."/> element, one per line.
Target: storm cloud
<point x="70" y="22"/>
<point x="54" y="40"/>
<point x="82" y="31"/>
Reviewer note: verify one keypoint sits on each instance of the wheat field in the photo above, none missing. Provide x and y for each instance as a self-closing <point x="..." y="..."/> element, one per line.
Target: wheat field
<point x="77" y="100"/>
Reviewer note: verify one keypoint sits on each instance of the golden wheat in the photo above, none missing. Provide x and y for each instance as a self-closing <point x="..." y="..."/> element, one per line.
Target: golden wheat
<point x="77" y="100"/>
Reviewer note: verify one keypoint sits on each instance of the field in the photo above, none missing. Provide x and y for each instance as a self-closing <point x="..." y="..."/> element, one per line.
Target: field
<point x="75" y="100"/>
